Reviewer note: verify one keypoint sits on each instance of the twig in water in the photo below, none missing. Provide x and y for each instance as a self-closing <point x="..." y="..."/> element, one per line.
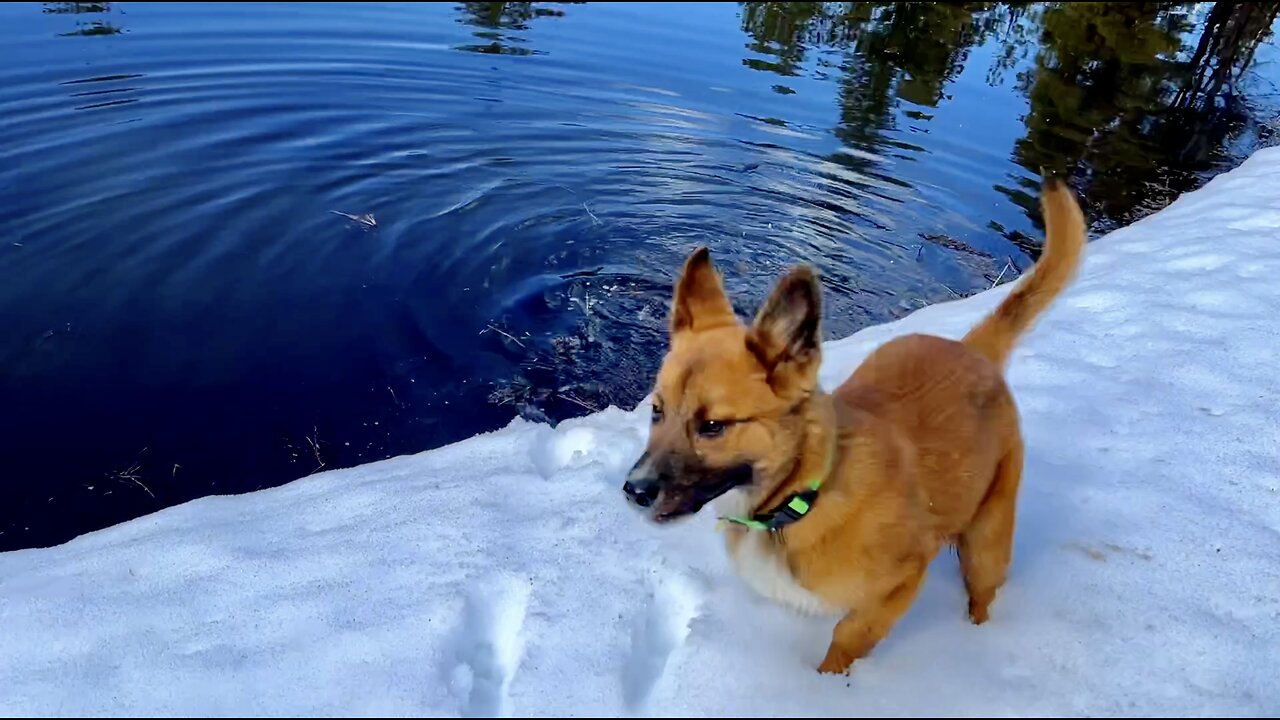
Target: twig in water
<point x="919" y="252"/>
<point x="315" y="448"/>
<point x="393" y="395"/>
<point x="138" y="482"/>
<point x="953" y="290"/>
<point x="593" y="215"/>
<point x="1001" y="275"/>
<point x="175" y="471"/>
<point x="367" y="220"/>
<point x="576" y="401"/>
<point x="583" y="273"/>
<point x="503" y="333"/>
<point x="132" y="474"/>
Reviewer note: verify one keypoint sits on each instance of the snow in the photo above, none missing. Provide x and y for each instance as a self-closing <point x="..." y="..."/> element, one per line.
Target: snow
<point x="507" y="575"/>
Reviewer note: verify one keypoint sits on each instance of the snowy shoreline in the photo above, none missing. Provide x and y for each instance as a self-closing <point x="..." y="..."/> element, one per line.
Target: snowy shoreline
<point x="505" y="574"/>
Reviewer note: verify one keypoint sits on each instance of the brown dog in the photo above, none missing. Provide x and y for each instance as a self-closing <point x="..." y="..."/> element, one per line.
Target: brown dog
<point x="838" y="503"/>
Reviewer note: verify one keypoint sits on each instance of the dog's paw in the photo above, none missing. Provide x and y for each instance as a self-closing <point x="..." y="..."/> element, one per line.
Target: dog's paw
<point x="837" y="662"/>
<point x="978" y="612"/>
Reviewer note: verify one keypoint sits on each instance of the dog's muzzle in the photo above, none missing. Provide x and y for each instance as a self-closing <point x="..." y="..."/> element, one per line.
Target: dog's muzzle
<point x="643" y="483"/>
<point x="668" y="491"/>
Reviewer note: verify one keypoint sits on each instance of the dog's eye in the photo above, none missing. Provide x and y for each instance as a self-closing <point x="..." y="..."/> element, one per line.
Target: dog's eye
<point x="710" y="428"/>
<point x="657" y="414"/>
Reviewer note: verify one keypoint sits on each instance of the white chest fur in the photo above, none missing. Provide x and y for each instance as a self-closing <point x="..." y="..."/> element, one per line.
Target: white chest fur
<point x="760" y="564"/>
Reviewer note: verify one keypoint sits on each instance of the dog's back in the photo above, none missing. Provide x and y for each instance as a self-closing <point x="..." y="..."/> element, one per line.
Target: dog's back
<point x="953" y="408"/>
<point x="949" y="398"/>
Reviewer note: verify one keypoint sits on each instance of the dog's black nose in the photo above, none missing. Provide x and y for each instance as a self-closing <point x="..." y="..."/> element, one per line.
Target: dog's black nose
<point x="642" y="493"/>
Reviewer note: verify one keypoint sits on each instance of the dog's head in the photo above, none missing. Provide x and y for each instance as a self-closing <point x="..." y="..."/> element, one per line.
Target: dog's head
<point x="729" y="401"/>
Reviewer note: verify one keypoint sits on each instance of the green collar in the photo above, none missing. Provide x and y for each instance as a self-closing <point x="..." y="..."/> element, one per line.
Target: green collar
<point x="796" y="506"/>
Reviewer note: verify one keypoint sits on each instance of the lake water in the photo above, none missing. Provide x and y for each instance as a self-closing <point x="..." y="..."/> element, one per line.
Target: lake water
<point x="194" y="299"/>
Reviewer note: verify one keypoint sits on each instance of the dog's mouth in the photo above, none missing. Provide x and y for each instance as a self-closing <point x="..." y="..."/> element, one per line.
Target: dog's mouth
<point x="675" y="502"/>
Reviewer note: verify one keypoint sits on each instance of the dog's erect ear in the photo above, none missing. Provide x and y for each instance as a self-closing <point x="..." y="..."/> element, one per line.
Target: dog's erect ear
<point x="788" y="326"/>
<point x="700" y="302"/>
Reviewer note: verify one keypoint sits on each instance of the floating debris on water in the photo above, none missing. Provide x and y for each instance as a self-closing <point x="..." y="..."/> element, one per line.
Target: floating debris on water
<point x="583" y="273"/>
<point x="366" y="220"/>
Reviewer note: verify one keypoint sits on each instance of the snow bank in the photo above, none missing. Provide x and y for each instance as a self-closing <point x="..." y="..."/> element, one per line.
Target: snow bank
<point x="506" y="575"/>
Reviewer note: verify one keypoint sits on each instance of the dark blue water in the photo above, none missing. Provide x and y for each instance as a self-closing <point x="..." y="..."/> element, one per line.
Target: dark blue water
<point x="185" y="311"/>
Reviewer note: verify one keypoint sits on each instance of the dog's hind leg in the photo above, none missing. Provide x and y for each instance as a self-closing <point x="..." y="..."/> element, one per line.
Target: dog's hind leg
<point x="986" y="546"/>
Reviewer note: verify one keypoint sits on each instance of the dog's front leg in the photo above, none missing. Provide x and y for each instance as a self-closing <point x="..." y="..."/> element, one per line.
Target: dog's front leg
<point x="864" y="627"/>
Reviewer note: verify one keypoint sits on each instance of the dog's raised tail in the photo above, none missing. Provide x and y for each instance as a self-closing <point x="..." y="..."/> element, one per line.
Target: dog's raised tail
<point x="1065" y="238"/>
